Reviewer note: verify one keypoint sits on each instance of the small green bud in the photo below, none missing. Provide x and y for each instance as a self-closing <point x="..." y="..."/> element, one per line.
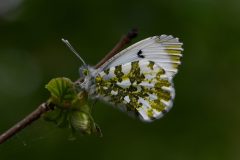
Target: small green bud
<point x="81" y="121"/>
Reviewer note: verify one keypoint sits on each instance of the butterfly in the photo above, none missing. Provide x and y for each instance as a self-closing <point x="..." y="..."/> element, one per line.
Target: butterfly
<point x="139" y="79"/>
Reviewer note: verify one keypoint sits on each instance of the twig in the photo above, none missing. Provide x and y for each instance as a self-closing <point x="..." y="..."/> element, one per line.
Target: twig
<point x="119" y="46"/>
<point x="25" y="122"/>
<point x="44" y="107"/>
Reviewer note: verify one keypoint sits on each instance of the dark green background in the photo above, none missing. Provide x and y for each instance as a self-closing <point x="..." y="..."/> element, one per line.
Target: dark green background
<point x="204" y="122"/>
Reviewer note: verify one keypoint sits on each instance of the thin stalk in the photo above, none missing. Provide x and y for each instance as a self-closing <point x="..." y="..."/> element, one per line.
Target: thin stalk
<point x="36" y="114"/>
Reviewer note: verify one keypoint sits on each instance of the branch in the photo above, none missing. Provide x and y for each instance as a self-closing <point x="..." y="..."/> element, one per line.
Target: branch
<point x="119" y="46"/>
<point x="44" y="107"/>
<point x="25" y="122"/>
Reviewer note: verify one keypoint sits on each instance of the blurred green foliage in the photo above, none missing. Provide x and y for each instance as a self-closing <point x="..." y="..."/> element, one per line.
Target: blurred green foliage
<point x="204" y="122"/>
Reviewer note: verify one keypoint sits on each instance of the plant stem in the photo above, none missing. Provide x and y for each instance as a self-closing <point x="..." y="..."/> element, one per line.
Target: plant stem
<point x="25" y="122"/>
<point x="44" y="107"/>
<point x="119" y="46"/>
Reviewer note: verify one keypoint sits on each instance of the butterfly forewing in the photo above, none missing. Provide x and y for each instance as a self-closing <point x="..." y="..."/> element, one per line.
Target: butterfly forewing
<point x="163" y="50"/>
<point x="139" y="87"/>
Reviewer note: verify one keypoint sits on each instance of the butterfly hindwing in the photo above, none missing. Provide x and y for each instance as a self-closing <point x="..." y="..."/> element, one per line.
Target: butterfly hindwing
<point x="139" y="87"/>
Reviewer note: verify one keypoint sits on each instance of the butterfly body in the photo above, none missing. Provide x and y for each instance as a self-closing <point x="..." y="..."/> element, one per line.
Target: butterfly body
<point x="138" y="80"/>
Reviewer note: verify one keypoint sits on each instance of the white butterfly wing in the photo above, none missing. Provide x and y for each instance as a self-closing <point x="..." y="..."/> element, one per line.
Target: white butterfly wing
<point x="138" y="79"/>
<point x="139" y="88"/>
<point x="163" y="50"/>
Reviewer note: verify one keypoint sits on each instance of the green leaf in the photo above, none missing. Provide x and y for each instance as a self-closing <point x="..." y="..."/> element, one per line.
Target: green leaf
<point x="62" y="91"/>
<point x="71" y="108"/>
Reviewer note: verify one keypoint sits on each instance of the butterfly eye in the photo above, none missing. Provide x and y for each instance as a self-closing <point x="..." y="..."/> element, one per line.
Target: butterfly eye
<point x="85" y="72"/>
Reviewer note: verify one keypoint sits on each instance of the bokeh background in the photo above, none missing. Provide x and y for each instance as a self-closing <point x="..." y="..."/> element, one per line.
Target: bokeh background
<point x="205" y="120"/>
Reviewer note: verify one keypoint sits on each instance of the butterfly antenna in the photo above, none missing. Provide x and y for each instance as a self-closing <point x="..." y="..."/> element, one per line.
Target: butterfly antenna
<point x="73" y="50"/>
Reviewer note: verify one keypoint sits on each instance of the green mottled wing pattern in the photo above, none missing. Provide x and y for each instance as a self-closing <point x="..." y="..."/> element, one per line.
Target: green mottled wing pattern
<point x="140" y="88"/>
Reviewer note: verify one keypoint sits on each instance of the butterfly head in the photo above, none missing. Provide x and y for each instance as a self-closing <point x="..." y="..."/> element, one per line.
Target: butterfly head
<point x="84" y="71"/>
<point x="86" y="75"/>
